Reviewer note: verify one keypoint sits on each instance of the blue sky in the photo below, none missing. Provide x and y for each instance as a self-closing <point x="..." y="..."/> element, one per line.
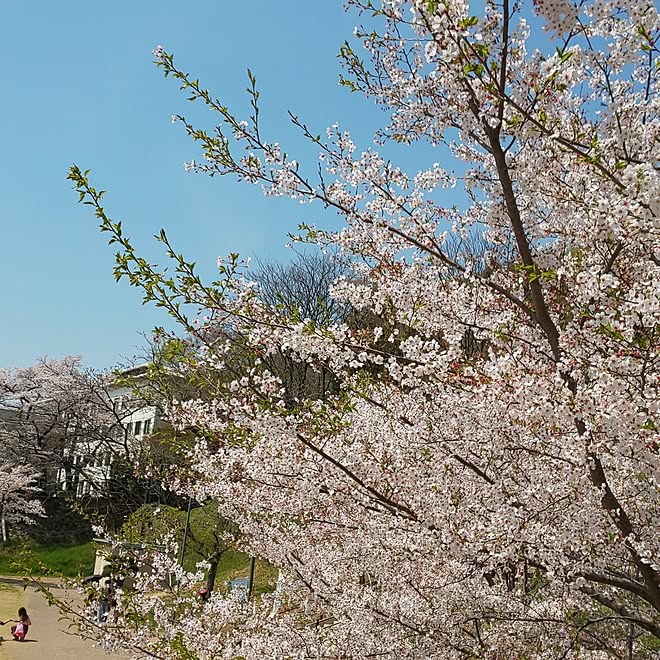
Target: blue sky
<point x="80" y="86"/>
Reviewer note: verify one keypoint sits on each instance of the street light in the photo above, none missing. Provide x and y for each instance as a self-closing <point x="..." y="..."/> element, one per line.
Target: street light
<point x="185" y="532"/>
<point x="250" y="578"/>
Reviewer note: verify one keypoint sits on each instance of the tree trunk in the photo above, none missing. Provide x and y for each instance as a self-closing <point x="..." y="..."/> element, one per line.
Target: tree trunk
<point x="3" y="522"/>
<point x="213" y="570"/>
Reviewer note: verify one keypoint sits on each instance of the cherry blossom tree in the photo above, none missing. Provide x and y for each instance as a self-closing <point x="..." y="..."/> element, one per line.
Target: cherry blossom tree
<point x="50" y="407"/>
<point x="485" y="481"/>
<point x="18" y="506"/>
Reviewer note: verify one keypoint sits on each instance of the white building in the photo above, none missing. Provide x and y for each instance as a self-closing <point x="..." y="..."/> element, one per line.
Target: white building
<point x="93" y="459"/>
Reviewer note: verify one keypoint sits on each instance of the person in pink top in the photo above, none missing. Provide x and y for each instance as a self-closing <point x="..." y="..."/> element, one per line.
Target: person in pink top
<point x="23" y="623"/>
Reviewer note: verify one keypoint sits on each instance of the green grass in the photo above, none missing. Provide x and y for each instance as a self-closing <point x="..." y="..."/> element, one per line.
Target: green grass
<point x="78" y="560"/>
<point x="37" y="559"/>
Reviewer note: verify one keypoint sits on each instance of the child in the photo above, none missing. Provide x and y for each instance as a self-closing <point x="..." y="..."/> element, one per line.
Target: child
<point x="19" y="631"/>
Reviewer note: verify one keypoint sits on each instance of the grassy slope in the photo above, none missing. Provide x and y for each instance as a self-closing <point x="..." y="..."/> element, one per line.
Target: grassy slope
<point x="234" y="564"/>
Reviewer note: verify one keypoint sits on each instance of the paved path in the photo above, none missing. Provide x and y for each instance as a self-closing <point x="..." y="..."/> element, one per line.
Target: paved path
<point x="48" y="638"/>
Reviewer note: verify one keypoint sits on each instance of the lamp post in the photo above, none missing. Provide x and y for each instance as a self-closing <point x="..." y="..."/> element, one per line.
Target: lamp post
<point x="250" y="578"/>
<point x="185" y="532"/>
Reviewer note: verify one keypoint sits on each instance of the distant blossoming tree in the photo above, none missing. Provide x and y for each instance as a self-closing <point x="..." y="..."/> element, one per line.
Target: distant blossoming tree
<point x="68" y="423"/>
<point x="48" y="408"/>
<point x="17" y="502"/>
<point x="484" y="482"/>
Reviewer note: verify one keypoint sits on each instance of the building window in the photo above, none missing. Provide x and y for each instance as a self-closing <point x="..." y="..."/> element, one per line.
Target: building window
<point x="129" y="427"/>
<point x="147" y="426"/>
<point x="138" y="428"/>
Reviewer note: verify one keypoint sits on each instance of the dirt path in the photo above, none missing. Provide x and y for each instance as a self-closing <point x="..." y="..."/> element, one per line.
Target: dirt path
<point x="47" y="638"/>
